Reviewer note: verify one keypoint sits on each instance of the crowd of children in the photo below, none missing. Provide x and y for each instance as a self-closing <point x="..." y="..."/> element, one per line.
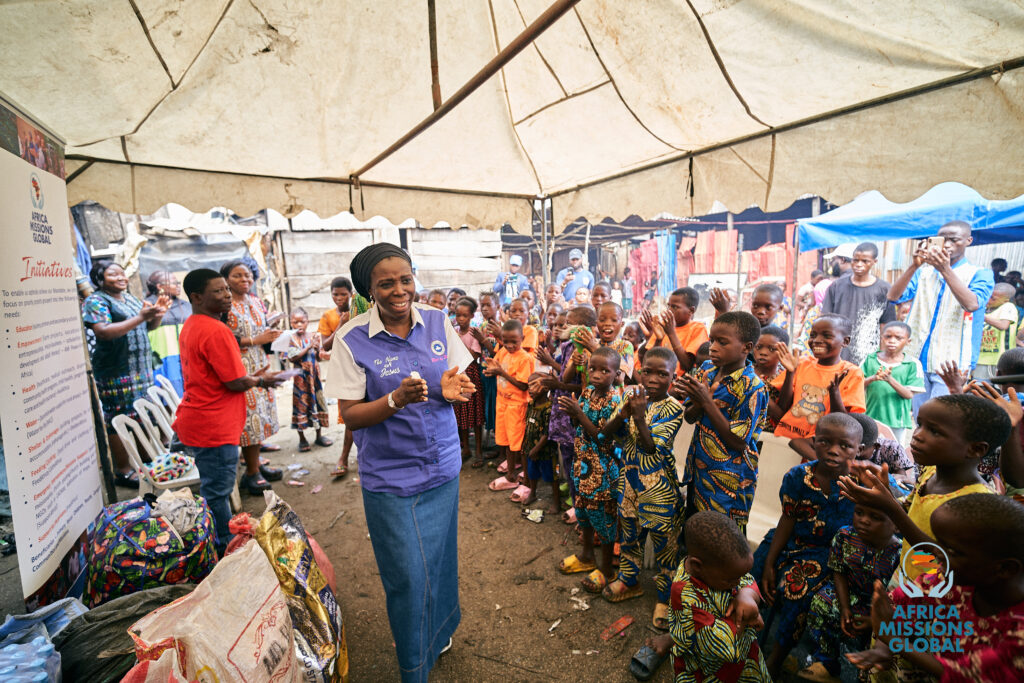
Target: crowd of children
<point x="589" y="403"/>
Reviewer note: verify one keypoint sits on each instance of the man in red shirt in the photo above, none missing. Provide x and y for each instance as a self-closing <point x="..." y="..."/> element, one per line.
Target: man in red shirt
<point x="211" y="416"/>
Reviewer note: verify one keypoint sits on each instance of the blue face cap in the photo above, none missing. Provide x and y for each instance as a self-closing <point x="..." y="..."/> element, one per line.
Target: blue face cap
<point x="575" y="253"/>
<point x="515" y="260"/>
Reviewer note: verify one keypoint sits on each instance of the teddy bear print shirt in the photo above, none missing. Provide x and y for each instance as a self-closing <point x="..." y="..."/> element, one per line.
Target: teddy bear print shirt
<point x="810" y="396"/>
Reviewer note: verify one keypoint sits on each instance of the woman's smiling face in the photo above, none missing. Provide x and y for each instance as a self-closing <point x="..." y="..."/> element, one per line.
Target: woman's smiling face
<point x="240" y="280"/>
<point x="393" y="288"/>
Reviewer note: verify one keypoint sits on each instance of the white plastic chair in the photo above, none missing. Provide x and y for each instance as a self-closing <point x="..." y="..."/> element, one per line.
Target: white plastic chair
<point x="164" y="401"/>
<point x="154" y="420"/>
<point x="172" y="393"/>
<point x="131" y="435"/>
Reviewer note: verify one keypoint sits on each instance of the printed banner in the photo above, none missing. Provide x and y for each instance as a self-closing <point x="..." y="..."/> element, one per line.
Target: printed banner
<point x="48" y="440"/>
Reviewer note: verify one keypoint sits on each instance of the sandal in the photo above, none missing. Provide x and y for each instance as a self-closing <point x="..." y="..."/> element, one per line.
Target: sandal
<point x="129" y="479"/>
<point x="569" y="516"/>
<point x="323" y="441"/>
<point x="660" y="618"/>
<point x="304" y="447"/>
<point x="594" y="582"/>
<point x="339" y="471"/>
<point x="271" y="473"/>
<point x="574" y="565"/>
<point x="645" y="663"/>
<point x="502" y="484"/>
<point x="626" y="593"/>
<point x="254" y="484"/>
<point x="520" y="494"/>
<point x="503" y="467"/>
<point x="477" y="463"/>
<point x="269" y="447"/>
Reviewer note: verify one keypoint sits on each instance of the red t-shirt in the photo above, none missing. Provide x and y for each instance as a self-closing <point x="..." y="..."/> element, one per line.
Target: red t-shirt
<point x="210" y="414"/>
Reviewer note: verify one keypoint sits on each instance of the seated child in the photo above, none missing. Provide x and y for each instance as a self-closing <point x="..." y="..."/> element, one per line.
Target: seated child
<point x="727" y="401"/>
<point x="309" y="407"/>
<point x="879" y="451"/>
<point x="865" y="552"/>
<point x="595" y="469"/>
<point x="791" y="563"/>
<point x="541" y="452"/>
<point x="649" y="500"/>
<point x="891" y="379"/>
<point x="983" y="537"/>
<point x="676" y="328"/>
<point x="820" y="385"/>
<point x="770" y="370"/>
<point x="954" y="432"/>
<point x="512" y="367"/>
<point x="713" y="617"/>
<point x="330" y="322"/>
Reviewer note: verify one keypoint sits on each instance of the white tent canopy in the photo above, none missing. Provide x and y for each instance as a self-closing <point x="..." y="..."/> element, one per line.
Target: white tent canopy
<point x="618" y="108"/>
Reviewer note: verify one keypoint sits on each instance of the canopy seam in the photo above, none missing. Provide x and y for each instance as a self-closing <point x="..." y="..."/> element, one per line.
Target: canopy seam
<point x="152" y="44"/>
<point x="539" y="53"/>
<point x="559" y="101"/>
<point x="721" y="64"/>
<point x="616" y="87"/>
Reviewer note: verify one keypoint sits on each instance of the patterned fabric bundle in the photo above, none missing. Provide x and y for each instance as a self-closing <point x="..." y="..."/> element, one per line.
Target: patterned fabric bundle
<point x="131" y="550"/>
<point x="170" y="466"/>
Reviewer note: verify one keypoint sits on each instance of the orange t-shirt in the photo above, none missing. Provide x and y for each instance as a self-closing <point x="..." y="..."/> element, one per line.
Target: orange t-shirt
<point x="691" y="336"/>
<point x="329" y="322"/>
<point x="810" y="396"/>
<point x="519" y="365"/>
<point x="531" y="338"/>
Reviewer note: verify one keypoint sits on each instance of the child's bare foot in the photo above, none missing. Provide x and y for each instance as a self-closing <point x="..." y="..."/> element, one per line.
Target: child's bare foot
<point x="554" y="508"/>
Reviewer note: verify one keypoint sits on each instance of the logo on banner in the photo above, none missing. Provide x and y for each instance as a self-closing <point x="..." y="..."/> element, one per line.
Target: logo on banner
<point x="37" y="192"/>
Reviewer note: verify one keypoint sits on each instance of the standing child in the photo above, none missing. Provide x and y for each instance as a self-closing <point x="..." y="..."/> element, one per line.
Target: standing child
<point x="512" y="367"/>
<point x="520" y="310"/>
<point x="617" y="292"/>
<point x="330" y="322"/>
<point x="309" y="407"/>
<point x="628" y="285"/>
<point x="609" y="327"/>
<point x="470" y="414"/>
<point x="727" y="401"/>
<point x="767" y="304"/>
<point x="791" y="562"/>
<point x="820" y="385"/>
<point x="541" y="452"/>
<point x="601" y="293"/>
<point x="595" y="470"/>
<point x="891" y="379"/>
<point x="770" y="370"/>
<point x="489" y="335"/>
<point x="865" y="552"/>
<point x="954" y="433"/>
<point x="983" y="537"/>
<point x="999" y="332"/>
<point x="714" y="620"/>
<point x="437" y="299"/>
<point x="649" y="500"/>
<point x="682" y="334"/>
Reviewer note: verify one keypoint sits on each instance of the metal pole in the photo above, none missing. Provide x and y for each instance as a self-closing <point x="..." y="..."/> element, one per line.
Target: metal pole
<point x="545" y="275"/>
<point x="518" y="44"/>
<point x="792" y="283"/>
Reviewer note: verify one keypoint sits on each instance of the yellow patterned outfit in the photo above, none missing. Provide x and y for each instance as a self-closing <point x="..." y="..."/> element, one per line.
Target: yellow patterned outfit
<point x="649" y="498"/>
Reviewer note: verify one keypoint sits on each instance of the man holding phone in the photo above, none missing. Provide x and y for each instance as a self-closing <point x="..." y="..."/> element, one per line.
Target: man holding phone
<point x="948" y="312"/>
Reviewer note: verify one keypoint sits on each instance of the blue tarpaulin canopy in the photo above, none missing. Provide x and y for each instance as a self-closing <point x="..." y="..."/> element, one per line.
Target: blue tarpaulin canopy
<point x="871" y="217"/>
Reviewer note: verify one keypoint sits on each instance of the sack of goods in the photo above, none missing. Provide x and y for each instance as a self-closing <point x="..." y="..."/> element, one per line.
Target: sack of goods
<point x="148" y="542"/>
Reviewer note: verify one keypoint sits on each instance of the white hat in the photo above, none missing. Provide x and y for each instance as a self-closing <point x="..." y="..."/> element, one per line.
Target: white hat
<point x="843" y="251"/>
<point x="575" y="254"/>
<point x="515" y="260"/>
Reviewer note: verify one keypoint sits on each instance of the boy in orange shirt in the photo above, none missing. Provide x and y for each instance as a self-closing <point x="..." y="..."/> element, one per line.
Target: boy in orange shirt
<point x="678" y="330"/>
<point x="820" y="385"/>
<point x="512" y="366"/>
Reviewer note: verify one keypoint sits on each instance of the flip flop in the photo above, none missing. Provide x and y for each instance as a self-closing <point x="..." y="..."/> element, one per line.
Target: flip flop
<point x="129" y="479"/>
<point x="660" y="618"/>
<point x="269" y="447"/>
<point x="477" y="463"/>
<point x="594" y="582"/>
<point x="574" y="565"/>
<point x="339" y="471"/>
<point x="304" y="447"/>
<point x="323" y="441"/>
<point x="520" y="494"/>
<point x="569" y="516"/>
<point x="502" y="484"/>
<point x="628" y="593"/>
<point x="645" y="663"/>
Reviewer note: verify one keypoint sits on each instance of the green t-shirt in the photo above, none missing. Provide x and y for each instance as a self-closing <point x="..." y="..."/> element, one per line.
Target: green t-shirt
<point x="883" y="403"/>
<point x="995" y="341"/>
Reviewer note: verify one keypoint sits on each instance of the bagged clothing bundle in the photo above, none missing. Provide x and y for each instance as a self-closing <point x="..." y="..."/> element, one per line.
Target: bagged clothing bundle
<point x="131" y="548"/>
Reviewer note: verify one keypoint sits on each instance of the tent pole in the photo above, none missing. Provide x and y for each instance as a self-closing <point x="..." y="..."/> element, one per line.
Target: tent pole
<point x="542" y="214"/>
<point x="518" y="44"/>
<point x="792" y="283"/>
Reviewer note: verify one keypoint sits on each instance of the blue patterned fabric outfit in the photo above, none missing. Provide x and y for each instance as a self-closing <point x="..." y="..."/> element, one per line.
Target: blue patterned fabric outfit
<point x="802" y="568"/>
<point x="649" y="500"/>
<point x="595" y="470"/>
<point x="122" y="367"/>
<point x="862" y="565"/>
<point x="248" y="318"/>
<point x="719" y="478"/>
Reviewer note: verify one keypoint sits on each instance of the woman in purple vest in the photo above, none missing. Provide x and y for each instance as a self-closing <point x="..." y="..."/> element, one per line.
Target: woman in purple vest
<point x="396" y="370"/>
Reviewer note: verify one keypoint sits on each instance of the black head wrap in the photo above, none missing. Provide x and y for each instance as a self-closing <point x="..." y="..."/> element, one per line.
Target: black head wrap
<point x="368" y="257"/>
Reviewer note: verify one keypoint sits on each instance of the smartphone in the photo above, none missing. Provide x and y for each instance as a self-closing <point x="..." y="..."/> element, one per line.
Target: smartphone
<point x="274" y="318"/>
<point x="937" y="241"/>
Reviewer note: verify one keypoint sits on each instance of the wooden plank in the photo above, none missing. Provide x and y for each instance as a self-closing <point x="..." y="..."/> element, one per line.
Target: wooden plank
<point x="456" y="261"/>
<point x="333" y="241"/>
<point x="327" y="263"/>
<point x="462" y="235"/>
<point x="462" y="248"/>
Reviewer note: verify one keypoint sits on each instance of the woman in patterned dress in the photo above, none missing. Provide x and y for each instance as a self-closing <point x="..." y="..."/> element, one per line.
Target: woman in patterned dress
<point x="122" y="360"/>
<point x="248" y="321"/>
